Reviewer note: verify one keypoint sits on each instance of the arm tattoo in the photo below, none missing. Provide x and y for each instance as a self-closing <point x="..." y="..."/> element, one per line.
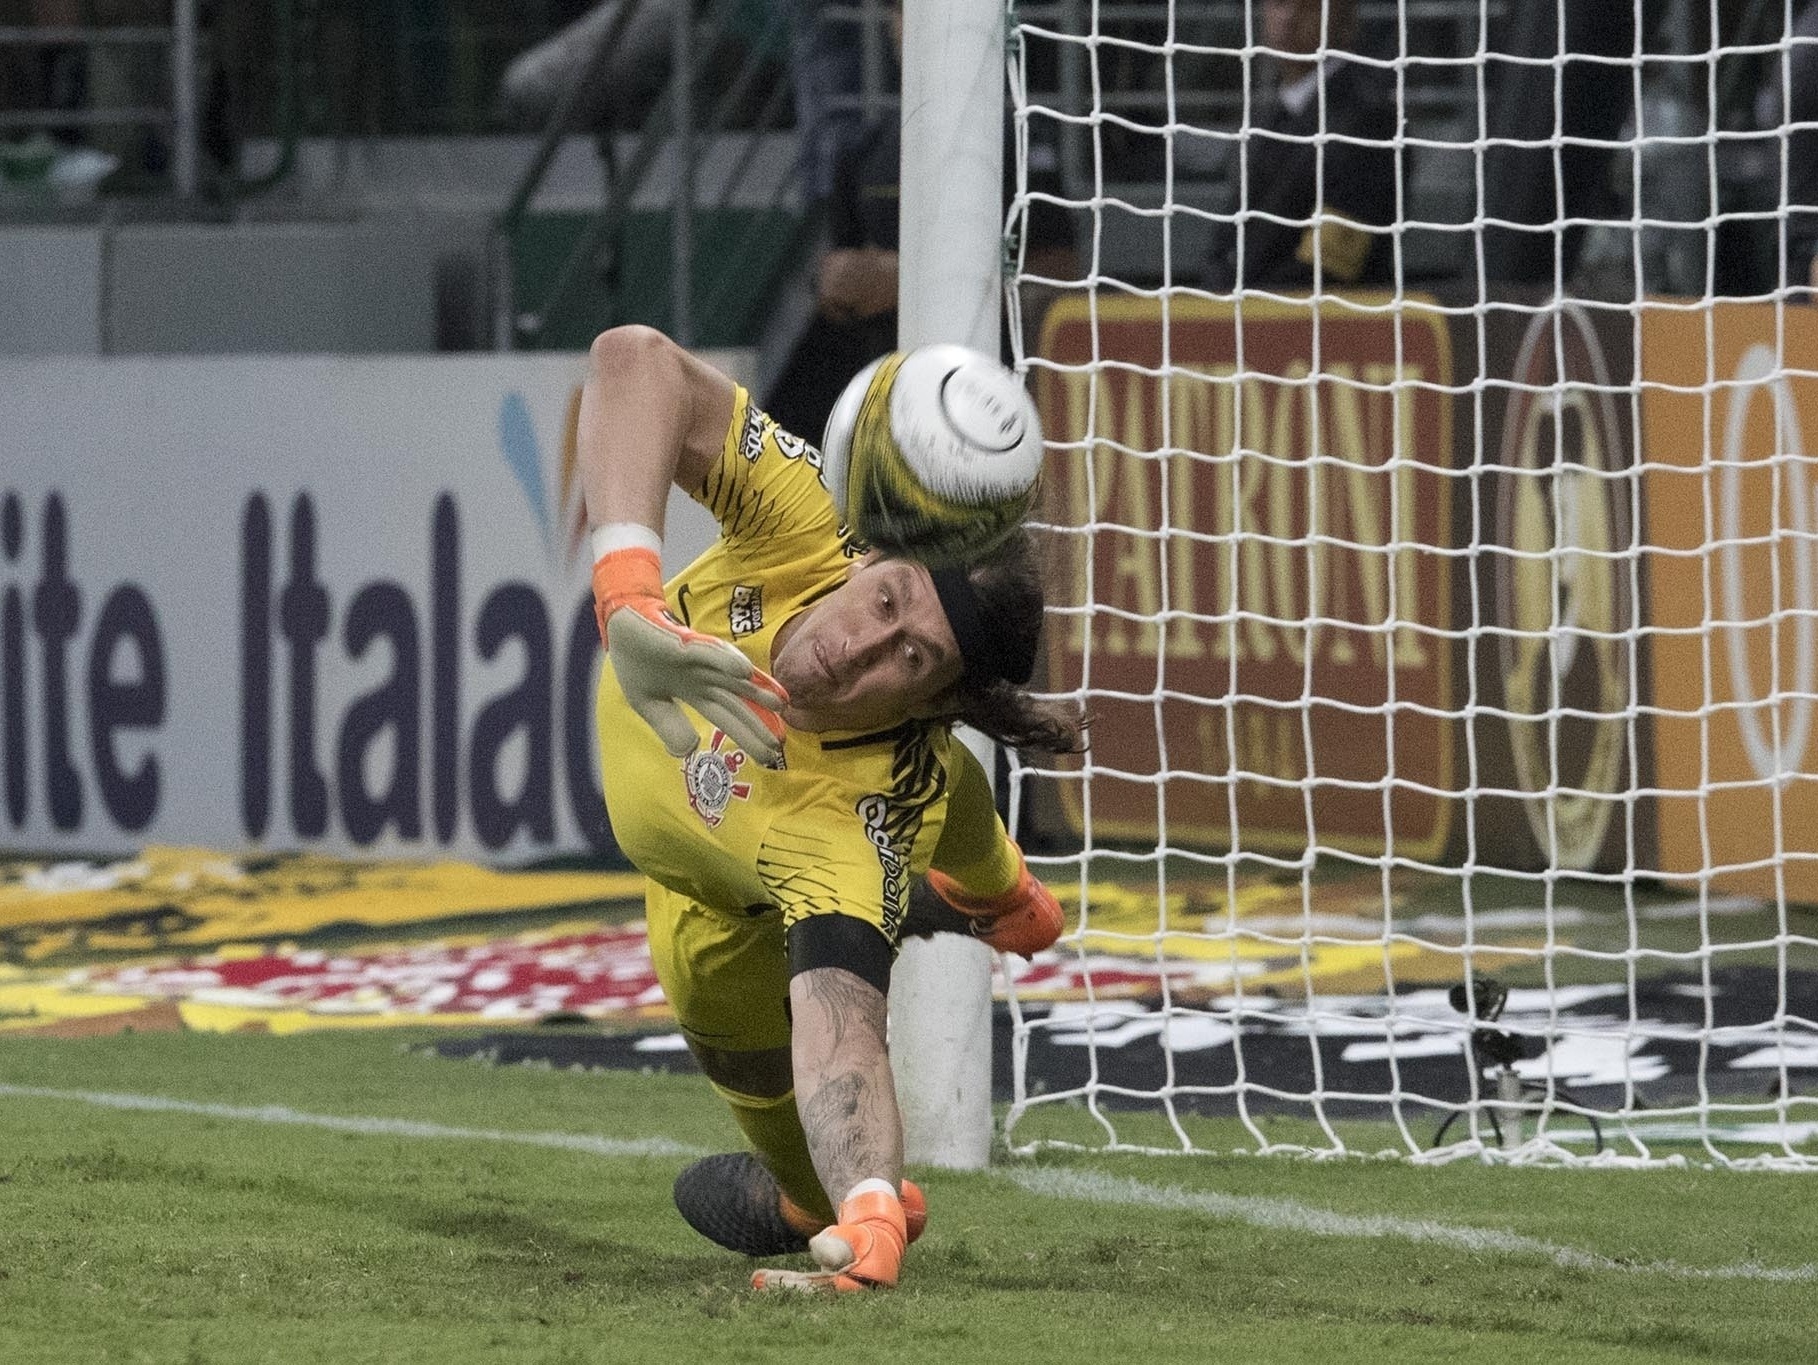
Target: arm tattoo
<point x="852" y="1009"/>
<point x="844" y="1090"/>
<point x="843" y="1128"/>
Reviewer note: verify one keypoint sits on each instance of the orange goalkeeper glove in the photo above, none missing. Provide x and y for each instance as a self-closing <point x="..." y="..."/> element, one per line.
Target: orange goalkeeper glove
<point x="863" y="1250"/>
<point x="1023" y="920"/>
<point x="659" y="662"/>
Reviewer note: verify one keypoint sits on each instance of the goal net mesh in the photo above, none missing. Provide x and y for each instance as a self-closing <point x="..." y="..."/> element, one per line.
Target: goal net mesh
<point x="1431" y="529"/>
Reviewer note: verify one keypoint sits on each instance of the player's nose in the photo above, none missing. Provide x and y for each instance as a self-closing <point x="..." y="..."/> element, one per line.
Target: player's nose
<point x="866" y="642"/>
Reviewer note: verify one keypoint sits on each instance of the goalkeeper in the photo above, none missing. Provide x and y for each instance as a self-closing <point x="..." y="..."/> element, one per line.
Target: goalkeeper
<point x="783" y="818"/>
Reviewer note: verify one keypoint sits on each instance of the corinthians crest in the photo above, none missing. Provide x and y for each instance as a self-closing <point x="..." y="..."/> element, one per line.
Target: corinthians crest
<point x="711" y="776"/>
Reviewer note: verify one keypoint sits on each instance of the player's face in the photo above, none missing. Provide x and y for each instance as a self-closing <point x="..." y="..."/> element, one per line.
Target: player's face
<point x="870" y="654"/>
<point x="1291" y="25"/>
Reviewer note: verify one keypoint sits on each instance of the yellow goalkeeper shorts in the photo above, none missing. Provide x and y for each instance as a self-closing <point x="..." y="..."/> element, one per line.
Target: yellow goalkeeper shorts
<point x="726" y="973"/>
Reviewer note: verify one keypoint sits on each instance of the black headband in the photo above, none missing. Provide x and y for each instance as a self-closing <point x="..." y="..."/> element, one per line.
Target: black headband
<point x="988" y="649"/>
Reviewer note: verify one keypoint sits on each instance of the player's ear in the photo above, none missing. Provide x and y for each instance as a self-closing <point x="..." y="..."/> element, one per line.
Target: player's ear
<point x="945" y="706"/>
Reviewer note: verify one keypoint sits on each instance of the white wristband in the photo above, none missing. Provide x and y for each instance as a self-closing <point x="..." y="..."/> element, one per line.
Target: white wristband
<point x="624" y="535"/>
<point x="875" y="1185"/>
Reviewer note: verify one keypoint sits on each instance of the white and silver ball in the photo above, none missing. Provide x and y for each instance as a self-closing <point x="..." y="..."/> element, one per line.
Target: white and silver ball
<point x="933" y="453"/>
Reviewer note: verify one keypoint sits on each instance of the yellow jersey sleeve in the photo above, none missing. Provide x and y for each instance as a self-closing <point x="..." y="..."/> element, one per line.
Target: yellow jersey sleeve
<point x="767" y="492"/>
<point x="974" y="848"/>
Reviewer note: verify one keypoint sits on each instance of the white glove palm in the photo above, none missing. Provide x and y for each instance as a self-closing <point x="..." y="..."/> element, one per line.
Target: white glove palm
<point x="660" y="662"/>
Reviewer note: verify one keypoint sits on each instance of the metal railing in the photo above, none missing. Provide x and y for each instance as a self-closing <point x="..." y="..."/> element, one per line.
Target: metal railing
<point x="681" y="123"/>
<point x="180" y="37"/>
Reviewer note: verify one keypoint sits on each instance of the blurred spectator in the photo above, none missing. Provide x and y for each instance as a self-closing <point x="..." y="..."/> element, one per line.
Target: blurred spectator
<point x="1308" y="203"/>
<point x="1556" y="88"/>
<point x="826" y="75"/>
<point x="1802" y="149"/>
<point x="856" y="286"/>
<point x="628" y="83"/>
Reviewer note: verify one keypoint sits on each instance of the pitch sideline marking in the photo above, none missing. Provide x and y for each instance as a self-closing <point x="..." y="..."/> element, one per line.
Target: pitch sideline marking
<point x="372" y="1127"/>
<point x="1277" y="1215"/>
<point x="1286" y="1215"/>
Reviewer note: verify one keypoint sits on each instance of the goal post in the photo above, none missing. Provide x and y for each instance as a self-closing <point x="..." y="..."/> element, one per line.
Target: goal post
<point x="1439" y="567"/>
<point x="950" y="288"/>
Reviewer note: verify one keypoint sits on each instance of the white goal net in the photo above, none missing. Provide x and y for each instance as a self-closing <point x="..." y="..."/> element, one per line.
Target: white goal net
<point x="1435" y="549"/>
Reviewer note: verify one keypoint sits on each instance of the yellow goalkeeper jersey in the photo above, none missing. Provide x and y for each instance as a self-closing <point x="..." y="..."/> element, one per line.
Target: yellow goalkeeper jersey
<point x="851" y="818"/>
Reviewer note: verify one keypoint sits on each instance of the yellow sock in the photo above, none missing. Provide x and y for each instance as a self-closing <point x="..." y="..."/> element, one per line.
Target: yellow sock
<point x="774" y="1129"/>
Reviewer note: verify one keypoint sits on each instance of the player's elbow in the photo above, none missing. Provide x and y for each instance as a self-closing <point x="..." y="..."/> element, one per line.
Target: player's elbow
<point x="633" y="353"/>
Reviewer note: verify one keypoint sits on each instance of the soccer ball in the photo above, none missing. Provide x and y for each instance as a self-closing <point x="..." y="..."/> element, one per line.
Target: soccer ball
<point x="933" y="453"/>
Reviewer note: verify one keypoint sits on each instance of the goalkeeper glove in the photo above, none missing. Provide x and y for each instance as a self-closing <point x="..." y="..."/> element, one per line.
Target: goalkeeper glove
<point x="863" y="1250"/>
<point x="660" y="662"/>
<point x="1023" y="920"/>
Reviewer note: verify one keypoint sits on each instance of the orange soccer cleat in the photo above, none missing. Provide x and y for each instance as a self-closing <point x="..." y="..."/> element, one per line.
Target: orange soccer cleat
<point x="734" y="1200"/>
<point x="863" y="1250"/>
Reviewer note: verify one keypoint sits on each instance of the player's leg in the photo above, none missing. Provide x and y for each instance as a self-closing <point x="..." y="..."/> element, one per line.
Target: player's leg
<point x="727" y="979"/>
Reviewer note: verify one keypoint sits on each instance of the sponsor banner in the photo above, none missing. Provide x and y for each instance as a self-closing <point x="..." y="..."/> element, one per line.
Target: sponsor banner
<point x="1548" y="606"/>
<point x="1254" y="587"/>
<point x="586" y="970"/>
<point x="1515" y="673"/>
<point x="1723" y="1033"/>
<point x="195" y="939"/>
<point x="166" y="899"/>
<point x="1730" y="426"/>
<point x="299" y="603"/>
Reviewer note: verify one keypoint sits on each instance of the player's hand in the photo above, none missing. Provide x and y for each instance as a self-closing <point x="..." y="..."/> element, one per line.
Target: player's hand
<point x="858" y="282"/>
<point x="1023" y="920"/>
<point x="661" y="662"/>
<point x="863" y="1250"/>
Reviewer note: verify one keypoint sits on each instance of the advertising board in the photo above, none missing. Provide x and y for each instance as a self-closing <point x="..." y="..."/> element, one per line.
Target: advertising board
<point x="1729" y="422"/>
<point x="1262" y="537"/>
<point x="1551" y="665"/>
<point x="327" y="603"/>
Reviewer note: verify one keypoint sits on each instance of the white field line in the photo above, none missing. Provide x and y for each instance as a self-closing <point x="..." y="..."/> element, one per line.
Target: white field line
<point x="1284" y="1215"/>
<point x="1276" y="1215"/>
<point x="373" y="1127"/>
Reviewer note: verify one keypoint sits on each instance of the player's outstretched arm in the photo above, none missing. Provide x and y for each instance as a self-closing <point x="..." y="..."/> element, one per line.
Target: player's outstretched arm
<point x="1023" y="919"/>
<point x="979" y="884"/>
<point x="847" y="1099"/>
<point x="653" y="415"/>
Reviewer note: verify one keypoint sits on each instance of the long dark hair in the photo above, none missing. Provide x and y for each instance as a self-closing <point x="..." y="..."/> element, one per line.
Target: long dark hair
<point x="1009" y="582"/>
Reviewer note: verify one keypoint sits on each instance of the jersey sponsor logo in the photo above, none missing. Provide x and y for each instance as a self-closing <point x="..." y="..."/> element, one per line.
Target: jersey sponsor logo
<point x="874" y="810"/>
<point x="751" y="435"/>
<point x="793" y="447"/>
<point x="747" y="611"/>
<point x="710" y="775"/>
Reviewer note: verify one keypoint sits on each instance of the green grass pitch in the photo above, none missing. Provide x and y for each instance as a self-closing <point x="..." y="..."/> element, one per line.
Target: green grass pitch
<point x="182" y="1236"/>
